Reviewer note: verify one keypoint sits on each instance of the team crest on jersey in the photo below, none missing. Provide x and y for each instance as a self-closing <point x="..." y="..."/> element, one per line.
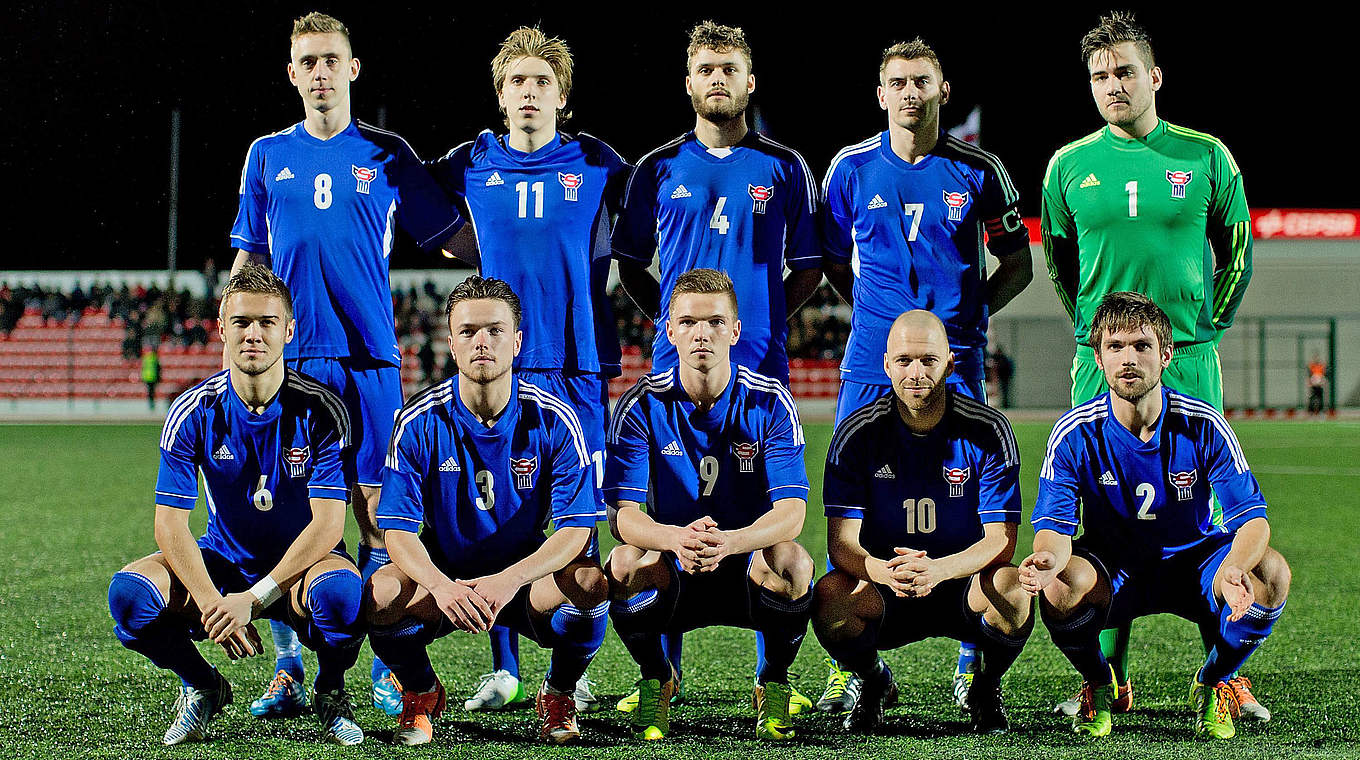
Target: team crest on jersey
<point x="746" y="456"/>
<point x="1184" y="483"/>
<point x="363" y="176"/>
<point x="1178" y="182"/>
<point x="297" y="461"/>
<point x="956" y="203"/>
<point x="524" y="471"/>
<point x="956" y="478"/>
<point x="571" y="183"/>
<point x="761" y="196"/>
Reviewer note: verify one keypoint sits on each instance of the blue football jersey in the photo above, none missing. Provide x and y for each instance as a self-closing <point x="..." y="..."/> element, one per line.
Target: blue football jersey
<point x="914" y="237"/>
<point x="731" y="462"/>
<point x="543" y="221"/>
<point x="260" y="470"/>
<point x="325" y="211"/>
<point x="1143" y="502"/>
<point x="748" y="211"/>
<point x="931" y="492"/>
<point x="484" y="495"/>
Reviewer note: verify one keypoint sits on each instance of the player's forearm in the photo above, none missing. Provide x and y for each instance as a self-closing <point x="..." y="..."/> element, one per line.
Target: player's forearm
<point x="365" y="509"/>
<point x="850" y="557"/>
<point x="842" y="279"/>
<point x="798" y="288"/>
<point x="563" y="546"/>
<point x="997" y="546"/>
<point x="1249" y="545"/>
<point x="1014" y="274"/>
<point x="637" y="528"/>
<point x="1055" y="543"/>
<point x="1232" y="271"/>
<point x="1060" y="257"/>
<point x="177" y="543"/>
<point x="782" y="523"/>
<point x="312" y="545"/>
<point x="411" y="557"/>
<point x="642" y="287"/>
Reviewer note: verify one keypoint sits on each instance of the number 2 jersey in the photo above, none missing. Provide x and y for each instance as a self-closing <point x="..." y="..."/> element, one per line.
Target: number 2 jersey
<point x="914" y="236"/>
<point x="1142" y="502"/>
<point x="931" y="492"/>
<point x="483" y="496"/>
<point x="260" y="471"/>
<point x="326" y="211"/>
<point x="730" y="462"/>
<point x="543" y="223"/>
<point x="748" y="210"/>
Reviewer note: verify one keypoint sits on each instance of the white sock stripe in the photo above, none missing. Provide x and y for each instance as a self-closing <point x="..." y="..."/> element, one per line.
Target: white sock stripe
<point x="145" y="581"/>
<point x="187" y="403"/>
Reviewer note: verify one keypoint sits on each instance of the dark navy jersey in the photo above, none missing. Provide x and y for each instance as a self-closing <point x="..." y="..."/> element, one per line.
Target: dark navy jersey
<point x="914" y="236"/>
<point x="931" y="492"/>
<point x="484" y="495"/>
<point x="749" y="211"/>
<point x="326" y="211"/>
<point x="1142" y="502"/>
<point x="260" y="470"/>
<point x="543" y="223"/>
<point x="731" y="462"/>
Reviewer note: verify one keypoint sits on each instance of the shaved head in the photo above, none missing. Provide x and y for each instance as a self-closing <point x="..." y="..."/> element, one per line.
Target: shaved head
<point x="917" y="360"/>
<point x="919" y="325"/>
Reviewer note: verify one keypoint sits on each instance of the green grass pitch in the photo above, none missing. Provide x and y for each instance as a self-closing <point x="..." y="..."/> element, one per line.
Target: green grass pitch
<point x="76" y="505"/>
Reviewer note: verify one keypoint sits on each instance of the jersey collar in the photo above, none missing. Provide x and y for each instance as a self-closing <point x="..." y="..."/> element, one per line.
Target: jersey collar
<point x="1134" y="143"/>
<point x="239" y="410"/>
<point x="502" y="424"/>
<point x="302" y="134"/>
<point x="885" y="148"/>
<point x="519" y="156"/>
<point x="738" y="153"/>
<point x="1131" y="440"/>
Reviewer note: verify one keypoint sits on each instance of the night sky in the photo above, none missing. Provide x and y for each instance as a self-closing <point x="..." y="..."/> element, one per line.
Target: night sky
<point x="87" y="90"/>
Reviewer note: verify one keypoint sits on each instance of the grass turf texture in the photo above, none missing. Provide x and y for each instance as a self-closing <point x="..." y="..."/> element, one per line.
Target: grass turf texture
<point x="76" y="506"/>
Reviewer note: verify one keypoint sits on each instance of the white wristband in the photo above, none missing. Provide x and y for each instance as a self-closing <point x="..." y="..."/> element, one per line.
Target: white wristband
<point x="267" y="591"/>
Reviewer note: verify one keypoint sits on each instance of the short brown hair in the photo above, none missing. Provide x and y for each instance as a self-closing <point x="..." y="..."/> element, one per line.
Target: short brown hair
<point x="1112" y="29"/>
<point x="910" y="51"/>
<point x="531" y="42"/>
<point x="718" y="38"/>
<point x="1126" y="310"/>
<point x="478" y="288"/>
<point x="705" y="281"/>
<point x="319" y="23"/>
<point x="253" y="278"/>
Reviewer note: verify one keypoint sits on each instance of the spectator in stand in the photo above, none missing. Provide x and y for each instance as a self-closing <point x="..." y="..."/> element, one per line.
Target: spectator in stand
<point x="1317" y="382"/>
<point x="151" y="373"/>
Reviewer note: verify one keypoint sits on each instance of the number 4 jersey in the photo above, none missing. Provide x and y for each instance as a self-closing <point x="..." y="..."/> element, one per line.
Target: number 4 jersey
<point x="929" y="492"/>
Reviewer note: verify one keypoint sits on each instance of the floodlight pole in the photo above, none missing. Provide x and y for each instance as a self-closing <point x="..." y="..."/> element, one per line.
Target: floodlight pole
<point x="172" y="232"/>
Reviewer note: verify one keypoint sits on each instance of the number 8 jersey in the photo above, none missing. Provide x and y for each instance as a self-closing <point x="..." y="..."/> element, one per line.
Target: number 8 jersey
<point x="929" y="492"/>
<point x="730" y="462"/>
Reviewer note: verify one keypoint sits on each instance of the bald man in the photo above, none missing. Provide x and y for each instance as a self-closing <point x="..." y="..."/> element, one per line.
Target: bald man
<point x="932" y="477"/>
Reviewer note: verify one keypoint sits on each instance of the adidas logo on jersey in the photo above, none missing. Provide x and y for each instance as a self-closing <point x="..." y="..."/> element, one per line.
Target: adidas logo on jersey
<point x="673" y="450"/>
<point x="494" y="179"/>
<point x="1090" y="181"/>
<point x="283" y="175"/>
<point x="223" y="453"/>
<point x="680" y="192"/>
<point x="877" y="202"/>
<point x="886" y="473"/>
<point x="450" y="465"/>
<point x="1108" y="479"/>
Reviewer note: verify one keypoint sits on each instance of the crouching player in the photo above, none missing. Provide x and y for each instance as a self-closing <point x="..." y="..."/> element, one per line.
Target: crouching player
<point x="922" y="502"/>
<point x="267" y="441"/>
<point x="716" y="451"/>
<point x="478" y="466"/>
<point x="1141" y="461"/>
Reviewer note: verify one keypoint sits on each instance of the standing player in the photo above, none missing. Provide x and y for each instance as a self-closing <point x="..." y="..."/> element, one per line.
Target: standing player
<point x="541" y="202"/>
<point x="479" y="465"/>
<point x="723" y="197"/>
<point x="923" y="507"/>
<point x="903" y="228"/>
<point x="717" y="451"/>
<point x="267" y="442"/>
<point x="1150" y="207"/>
<point x="317" y="204"/>
<point x="1113" y="465"/>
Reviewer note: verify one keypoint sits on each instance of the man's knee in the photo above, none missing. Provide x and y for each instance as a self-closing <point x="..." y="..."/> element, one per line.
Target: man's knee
<point x="834" y="601"/>
<point x="1275" y="576"/>
<point x="1077" y="584"/>
<point x="135" y="603"/>
<point x="583" y="583"/>
<point x="334" y="601"/>
<point x="382" y="596"/>
<point x="624" y="569"/>
<point x="791" y="562"/>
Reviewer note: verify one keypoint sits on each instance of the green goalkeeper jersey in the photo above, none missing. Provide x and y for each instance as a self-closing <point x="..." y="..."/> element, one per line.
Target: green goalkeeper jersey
<point x="1164" y="215"/>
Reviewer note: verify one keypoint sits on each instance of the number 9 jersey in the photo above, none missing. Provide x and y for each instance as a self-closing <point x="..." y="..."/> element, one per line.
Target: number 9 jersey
<point x="929" y="492"/>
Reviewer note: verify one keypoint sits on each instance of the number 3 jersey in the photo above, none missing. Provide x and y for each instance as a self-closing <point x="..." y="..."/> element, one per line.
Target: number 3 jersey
<point x="747" y="210"/>
<point x="483" y="496"/>
<point x="914" y="236"/>
<point x="929" y="492"/>
<point x="1143" y="502"/>
<point x="260" y="471"/>
<point x="326" y="211"/>
<point x="730" y="462"/>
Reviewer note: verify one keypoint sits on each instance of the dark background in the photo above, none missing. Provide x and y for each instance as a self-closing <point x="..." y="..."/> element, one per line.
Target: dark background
<point x="86" y="91"/>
